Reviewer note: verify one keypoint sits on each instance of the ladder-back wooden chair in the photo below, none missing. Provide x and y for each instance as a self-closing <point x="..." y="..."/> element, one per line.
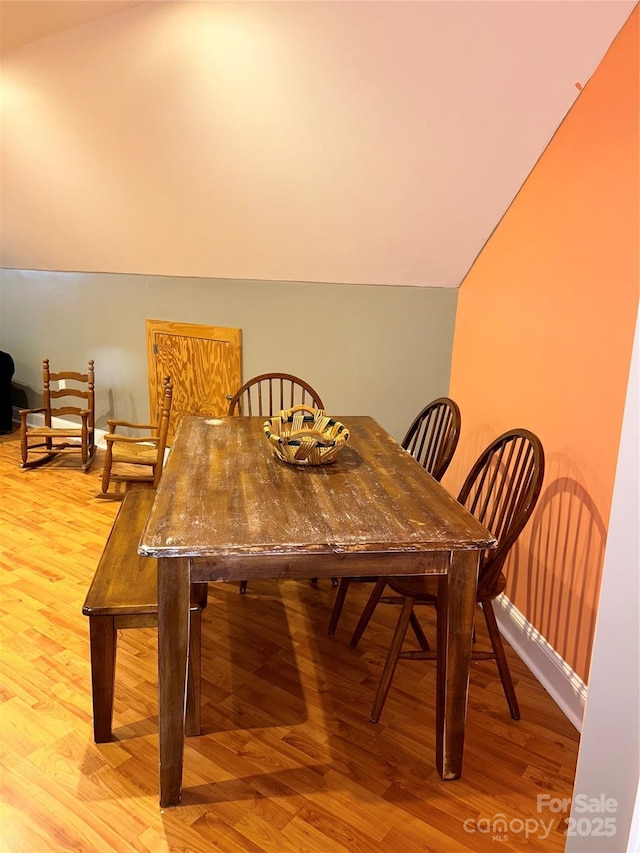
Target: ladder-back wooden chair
<point x="431" y="439"/>
<point x="501" y="491"/>
<point x="267" y="395"/>
<point x="72" y="399"/>
<point x="145" y="453"/>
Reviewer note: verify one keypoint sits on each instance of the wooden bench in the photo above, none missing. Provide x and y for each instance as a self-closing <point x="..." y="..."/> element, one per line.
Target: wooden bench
<point x="124" y="594"/>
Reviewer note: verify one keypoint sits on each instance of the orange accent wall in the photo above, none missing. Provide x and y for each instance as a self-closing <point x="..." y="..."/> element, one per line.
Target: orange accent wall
<point x="543" y="340"/>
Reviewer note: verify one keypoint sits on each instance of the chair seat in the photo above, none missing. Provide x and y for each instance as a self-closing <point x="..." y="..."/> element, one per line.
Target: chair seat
<point x="135" y="454"/>
<point x="52" y="432"/>
<point x="425" y="588"/>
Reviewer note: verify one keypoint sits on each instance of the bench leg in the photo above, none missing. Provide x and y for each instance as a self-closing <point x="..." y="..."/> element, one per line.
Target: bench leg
<point x="103" y="641"/>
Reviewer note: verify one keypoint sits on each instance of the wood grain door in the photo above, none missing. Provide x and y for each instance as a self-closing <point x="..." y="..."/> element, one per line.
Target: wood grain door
<point x="204" y="363"/>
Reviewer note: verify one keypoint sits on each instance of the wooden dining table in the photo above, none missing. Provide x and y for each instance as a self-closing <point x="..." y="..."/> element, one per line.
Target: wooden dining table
<point x="228" y="509"/>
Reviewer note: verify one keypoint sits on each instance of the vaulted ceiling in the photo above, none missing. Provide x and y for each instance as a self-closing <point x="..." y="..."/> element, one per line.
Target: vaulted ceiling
<point x="358" y="142"/>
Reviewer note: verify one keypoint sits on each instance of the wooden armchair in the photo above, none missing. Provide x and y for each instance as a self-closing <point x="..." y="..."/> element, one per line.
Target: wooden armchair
<point x="147" y="451"/>
<point x="62" y="401"/>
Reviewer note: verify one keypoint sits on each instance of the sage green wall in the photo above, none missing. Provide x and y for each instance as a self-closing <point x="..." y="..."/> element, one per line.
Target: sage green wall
<point x="384" y="351"/>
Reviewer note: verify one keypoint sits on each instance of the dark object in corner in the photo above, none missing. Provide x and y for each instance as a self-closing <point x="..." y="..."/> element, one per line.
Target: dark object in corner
<point x="7" y="369"/>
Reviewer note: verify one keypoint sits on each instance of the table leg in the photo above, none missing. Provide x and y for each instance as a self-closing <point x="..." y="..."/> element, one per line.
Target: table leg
<point x="173" y="650"/>
<point x="103" y="642"/>
<point x="456" y="605"/>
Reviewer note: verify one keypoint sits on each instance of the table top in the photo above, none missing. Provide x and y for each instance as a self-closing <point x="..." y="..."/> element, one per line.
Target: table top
<point x="224" y="493"/>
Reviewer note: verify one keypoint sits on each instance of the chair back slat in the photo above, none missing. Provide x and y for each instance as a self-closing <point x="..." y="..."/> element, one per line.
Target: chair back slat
<point x="65" y="410"/>
<point x="433" y="436"/>
<point x="56" y="394"/>
<point x="514" y="486"/>
<point x="73" y="375"/>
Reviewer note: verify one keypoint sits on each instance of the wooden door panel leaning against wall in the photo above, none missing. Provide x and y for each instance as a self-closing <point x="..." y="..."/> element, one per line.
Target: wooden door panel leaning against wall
<point x="204" y="363"/>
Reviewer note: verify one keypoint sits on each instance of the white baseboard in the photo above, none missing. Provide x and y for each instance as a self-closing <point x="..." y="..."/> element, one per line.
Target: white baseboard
<point x="564" y="686"/>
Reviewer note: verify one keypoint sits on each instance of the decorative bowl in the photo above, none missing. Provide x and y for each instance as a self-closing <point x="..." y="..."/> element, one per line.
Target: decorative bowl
<point x="306" y="436"/>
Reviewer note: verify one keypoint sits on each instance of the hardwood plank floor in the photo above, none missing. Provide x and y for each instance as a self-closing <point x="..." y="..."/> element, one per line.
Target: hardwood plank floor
<point x="288" y="760"/>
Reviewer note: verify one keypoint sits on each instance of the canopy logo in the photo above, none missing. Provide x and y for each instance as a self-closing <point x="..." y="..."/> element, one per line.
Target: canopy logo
<point x="500" y="828"/>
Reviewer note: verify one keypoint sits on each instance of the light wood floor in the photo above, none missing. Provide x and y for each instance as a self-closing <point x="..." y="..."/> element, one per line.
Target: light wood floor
<point x="288" y="761"/>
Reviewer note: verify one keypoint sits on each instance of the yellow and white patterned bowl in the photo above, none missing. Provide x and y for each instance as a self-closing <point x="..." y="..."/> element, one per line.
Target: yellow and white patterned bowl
<point x="306" y="436"/>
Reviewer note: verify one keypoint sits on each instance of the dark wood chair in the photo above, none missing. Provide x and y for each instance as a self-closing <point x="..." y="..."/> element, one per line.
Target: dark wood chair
<point x="73" y="400"/>
<point x="431" y="439"/>
<point x="146" y="450"/>
<point x="501" y="491"/>
<point x="267" y="395"/>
